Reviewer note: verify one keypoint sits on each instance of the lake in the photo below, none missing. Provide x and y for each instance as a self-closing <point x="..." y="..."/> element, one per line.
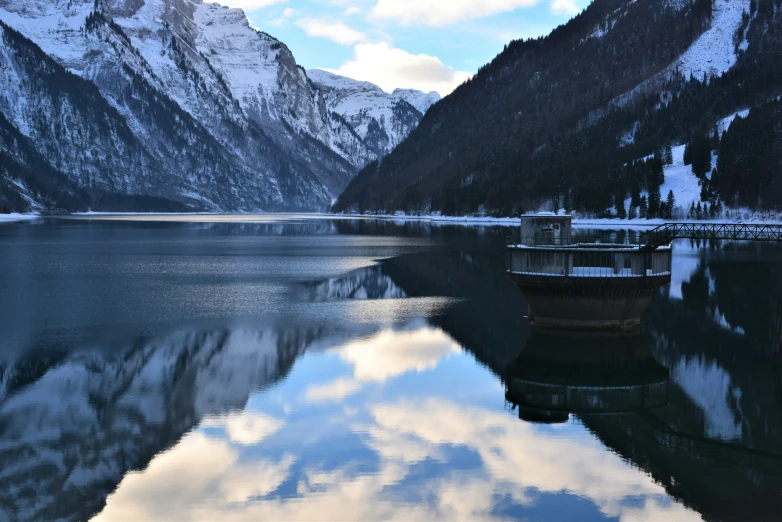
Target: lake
<point x="312" y="368"/>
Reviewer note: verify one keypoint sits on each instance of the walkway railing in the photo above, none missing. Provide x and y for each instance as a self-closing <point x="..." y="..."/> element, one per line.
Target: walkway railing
<point x="655" y="238"/>
<point x="666" y="233"/>
<point x="609" y="239"/>
<point x="612" y="262"/>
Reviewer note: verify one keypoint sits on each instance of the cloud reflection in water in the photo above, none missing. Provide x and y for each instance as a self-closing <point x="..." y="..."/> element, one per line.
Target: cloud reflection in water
<point x="347" y="451"/>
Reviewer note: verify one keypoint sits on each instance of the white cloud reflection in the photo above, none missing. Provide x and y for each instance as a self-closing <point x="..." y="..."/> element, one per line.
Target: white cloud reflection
<point x="247" y="429"/>
<point x="385" y="355"/>
<point x="205" y="477"/>
<point x="198" y="479"/>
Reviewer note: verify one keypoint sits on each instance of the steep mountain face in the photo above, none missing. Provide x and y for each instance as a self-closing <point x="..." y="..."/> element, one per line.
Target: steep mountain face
<point x="562" y="121"/>
<point x="178" y="101"/>
<point x="382" y="120"/>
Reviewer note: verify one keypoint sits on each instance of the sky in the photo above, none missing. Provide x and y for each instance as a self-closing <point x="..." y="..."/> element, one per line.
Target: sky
<point x="430" y="45"/>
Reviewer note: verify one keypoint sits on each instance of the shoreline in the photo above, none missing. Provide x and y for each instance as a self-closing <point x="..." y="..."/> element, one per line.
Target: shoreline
<point x="10" y="218"/>
<point x="608" y="223"/>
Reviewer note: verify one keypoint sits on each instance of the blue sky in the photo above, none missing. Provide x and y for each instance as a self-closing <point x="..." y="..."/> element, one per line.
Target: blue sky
<point x="422" y="44"/>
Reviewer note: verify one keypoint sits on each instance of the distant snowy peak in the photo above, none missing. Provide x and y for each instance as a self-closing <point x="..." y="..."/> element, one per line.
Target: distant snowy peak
<point x="420" y="100"/>
<point x="332" y="81"/>
<point x="381" y="119"/>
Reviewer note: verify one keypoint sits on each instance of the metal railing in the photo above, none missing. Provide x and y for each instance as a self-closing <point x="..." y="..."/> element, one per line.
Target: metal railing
<point x="609" y="239"/>
<point x="666" y="233"/>
<point x="612" y="262"/>
<point x="655" y="238"/>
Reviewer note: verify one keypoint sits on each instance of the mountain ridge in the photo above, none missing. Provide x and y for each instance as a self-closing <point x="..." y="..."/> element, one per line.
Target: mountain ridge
<point x="214" y="115"/>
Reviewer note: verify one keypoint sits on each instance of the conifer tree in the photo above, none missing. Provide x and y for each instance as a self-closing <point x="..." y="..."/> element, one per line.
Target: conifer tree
<point x="619" y="205"/>
<point x="670" y="201"/>
<point x="655" y="201"/>
<point x="704" y="190"/>
<point x="700" y="155"/>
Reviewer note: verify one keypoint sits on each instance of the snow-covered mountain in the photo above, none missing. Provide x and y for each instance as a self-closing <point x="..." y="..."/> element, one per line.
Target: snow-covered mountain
<point x="173" y="99"/>
<point x="381" y="119"/>
<point x="420" y="100"/>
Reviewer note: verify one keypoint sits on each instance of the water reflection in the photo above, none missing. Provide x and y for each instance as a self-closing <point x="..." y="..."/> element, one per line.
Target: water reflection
<point x="364" y="283"/>
<point x="385" y="450"/>
<point x="557" y="375"/>
<point x="71" y="426"/>
<point x="377" y="391"/>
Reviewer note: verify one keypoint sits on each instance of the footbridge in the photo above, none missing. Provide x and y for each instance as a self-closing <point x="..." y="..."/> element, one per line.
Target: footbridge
<point x="664" y="234"/>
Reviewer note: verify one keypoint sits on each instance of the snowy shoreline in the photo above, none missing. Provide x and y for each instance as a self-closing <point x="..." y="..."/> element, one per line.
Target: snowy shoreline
<point x="8" y="218"/>
<point x="607" y="223"/>
<point x="614" y="223"/>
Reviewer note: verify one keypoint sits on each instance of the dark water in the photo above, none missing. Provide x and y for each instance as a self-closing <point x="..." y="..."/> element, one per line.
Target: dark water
<point x="313" y="369"/>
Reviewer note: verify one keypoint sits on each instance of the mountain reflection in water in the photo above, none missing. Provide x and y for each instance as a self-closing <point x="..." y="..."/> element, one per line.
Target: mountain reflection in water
<point x="371" y="405"/>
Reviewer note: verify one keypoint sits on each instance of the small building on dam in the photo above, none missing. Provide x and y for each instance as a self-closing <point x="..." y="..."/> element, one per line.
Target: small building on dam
<point x="583" y="283"/>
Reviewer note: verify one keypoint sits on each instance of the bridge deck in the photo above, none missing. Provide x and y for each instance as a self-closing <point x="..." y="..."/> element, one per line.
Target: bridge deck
<point x="666" y="233"/>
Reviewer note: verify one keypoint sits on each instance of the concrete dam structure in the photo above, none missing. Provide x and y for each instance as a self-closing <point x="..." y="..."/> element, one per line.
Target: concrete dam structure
<point x="580" y="283"/>
<point x="598" y="284"/>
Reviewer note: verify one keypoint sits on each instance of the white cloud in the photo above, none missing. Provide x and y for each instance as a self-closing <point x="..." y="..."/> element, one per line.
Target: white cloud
<point x="516" y="459"/>
<point x="250" y="5"/>
<point x="246" y="428"/>
<point x="515" y="454"/>
<point x="194" y="480"/>
<point x="439" y="13"/>
<point x="389" y="68"/>
<point x="393" y="353"/>
<point x="334" y="31"/>
<point x="383" y="356"/>
<point x="334" y="390"/>
<point x="565" y="7"/>
<point x="289" y="12"/>
<point x="350" y="11"/>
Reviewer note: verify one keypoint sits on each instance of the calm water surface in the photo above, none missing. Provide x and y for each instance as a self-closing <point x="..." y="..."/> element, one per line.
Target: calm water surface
<point x="311" y="369"/>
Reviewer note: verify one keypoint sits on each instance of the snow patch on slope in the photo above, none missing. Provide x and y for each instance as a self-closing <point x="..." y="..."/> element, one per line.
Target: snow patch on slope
<point x="709" y="386"/>
<point x="720" y="319"/>
<point x="724" y="123"/>
<point x="713" y="53"/>
<point x="680" y="178"/>
<point x="685" y="262"/>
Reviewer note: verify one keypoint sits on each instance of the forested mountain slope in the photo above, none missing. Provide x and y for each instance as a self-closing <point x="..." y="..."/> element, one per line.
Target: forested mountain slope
<point x="585" y="117"/>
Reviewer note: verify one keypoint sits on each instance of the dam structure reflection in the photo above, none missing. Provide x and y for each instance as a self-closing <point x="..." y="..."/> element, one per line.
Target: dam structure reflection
<point x="555" y="376"/>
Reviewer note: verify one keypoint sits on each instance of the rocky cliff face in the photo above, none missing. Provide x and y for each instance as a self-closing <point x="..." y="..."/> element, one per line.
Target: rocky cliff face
<point x="380" y="119"/>
<point x="175" y="100"/>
